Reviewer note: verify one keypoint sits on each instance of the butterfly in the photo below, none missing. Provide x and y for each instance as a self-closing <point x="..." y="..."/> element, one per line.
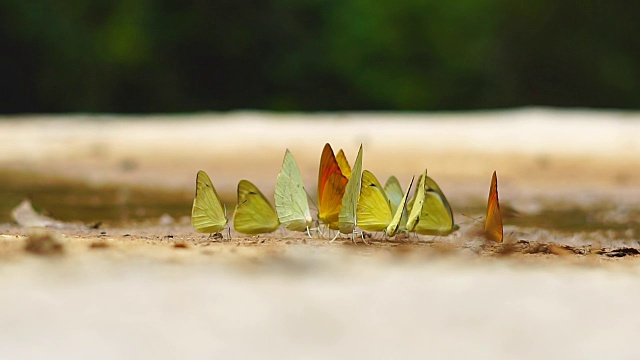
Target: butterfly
<point x="493" y="221"/>
<point x="331" y="186"/>
<point x="374" y="211"/>
<point x="344" y="164"/>
<point x="253" y="214"/>
<point x="291" y="198"/>
<point x="208" y="214"/>
<point x="347" y="217"/>
<point x="430" y="213"/>
<point x="394" y="193"/>
<point x="393" y="190"/>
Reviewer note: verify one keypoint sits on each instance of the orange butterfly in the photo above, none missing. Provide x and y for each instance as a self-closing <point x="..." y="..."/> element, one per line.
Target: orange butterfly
<point x="331" y="186"/>
<point x="493" y="221"/>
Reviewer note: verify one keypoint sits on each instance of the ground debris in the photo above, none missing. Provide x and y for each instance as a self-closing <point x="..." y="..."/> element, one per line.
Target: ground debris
<point x="402" y="237"/>
<point x="43" y="243"/>
<point x="26" y="216"/>
<point x="98" y="245"/>
<point x="534" y="247"/>
<point x="619" y="252"/>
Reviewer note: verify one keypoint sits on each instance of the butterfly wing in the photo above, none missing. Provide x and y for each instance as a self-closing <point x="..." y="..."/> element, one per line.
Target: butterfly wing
<point x="418" y="189"/>
<point x="374" y="212"/>
<point x="394" y="192"/>
<point x="347" y="217"/>
<point x="331" y="187"/>
<point x="345" y="168"/>
<point x="207" y="213"/>
<point x="415" y="206"/>
<point x="254" y="214"/>
<point x="493" y="222"/>
<point x="435" y="218"/>
<point x="332" y="200"/>
<point x="434" y="215"/>
<point x="292" y="206"/>
<point x="399" y="214"/>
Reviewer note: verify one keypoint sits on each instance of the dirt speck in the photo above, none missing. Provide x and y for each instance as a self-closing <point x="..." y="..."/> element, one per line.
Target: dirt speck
<point x="98" y="245"/>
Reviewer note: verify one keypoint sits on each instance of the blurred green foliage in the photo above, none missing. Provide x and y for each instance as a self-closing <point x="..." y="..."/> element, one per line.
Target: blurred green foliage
<point x="191" y="55"/>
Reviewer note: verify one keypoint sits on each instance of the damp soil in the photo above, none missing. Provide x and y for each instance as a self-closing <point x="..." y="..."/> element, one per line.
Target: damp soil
<point x="77" y="201"/>
<point x="122" y="214"/>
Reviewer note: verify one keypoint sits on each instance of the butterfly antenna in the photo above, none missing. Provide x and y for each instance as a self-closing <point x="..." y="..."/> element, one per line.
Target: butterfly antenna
<point x="476" y="219"/>
<point x="311" y="200"/>
<point x="291" y="235"/>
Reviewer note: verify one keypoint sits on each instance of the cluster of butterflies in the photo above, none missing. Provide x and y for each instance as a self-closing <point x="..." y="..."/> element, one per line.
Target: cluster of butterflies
<point x="348" y="198"/>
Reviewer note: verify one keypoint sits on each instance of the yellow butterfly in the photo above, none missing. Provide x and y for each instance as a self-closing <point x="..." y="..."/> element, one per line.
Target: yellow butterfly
<point x="374" y="210"/>
<point x="493" y="221"/>
<point x="253" y="214"/>
<point x="291" y="198"/>
<point x="430" y="213"/>
<point x="347" y="218"/>
<point x="394" y="193"/>
<point x="331" y="187"/>
<point x="344" y="164"/>
<point x="208" y="214"/>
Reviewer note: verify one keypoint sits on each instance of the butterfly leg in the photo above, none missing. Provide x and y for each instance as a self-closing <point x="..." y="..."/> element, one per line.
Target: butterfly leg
<point x="364" y="240"/>
<point x="322" y="230"/>
<point x="335" y="237"/>
<point x="355" y="234"/>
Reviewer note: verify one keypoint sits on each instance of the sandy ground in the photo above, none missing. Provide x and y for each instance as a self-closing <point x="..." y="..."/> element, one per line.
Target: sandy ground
<point x="165" y="291"/>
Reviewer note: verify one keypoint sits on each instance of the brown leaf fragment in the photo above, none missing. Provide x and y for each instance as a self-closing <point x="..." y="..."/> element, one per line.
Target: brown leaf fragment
<point x="43" y="243"/>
